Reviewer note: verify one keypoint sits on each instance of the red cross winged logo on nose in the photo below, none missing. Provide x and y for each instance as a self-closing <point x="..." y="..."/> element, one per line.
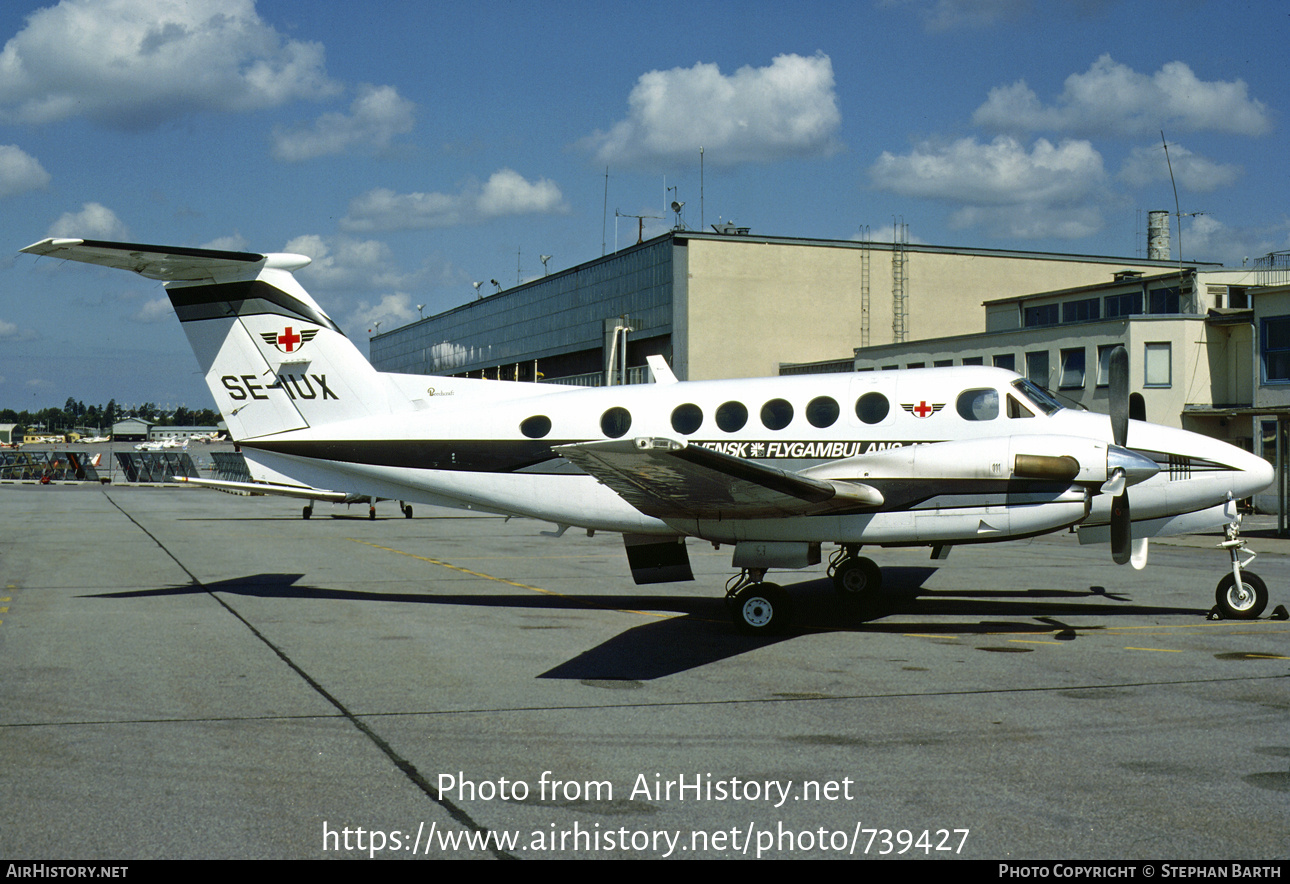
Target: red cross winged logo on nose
<point x="289" y="340"/>
<point x="922" y="408"/>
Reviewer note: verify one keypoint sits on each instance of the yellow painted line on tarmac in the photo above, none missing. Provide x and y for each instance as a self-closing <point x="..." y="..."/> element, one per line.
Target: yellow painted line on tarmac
<point x="484" y="576"/>
<point x="1033" y="641"/>
<point x="1161" y="650"/>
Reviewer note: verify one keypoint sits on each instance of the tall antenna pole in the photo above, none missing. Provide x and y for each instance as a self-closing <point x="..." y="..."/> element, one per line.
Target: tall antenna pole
<point x="604" y="216"/>
<point x="1177" y="209"/>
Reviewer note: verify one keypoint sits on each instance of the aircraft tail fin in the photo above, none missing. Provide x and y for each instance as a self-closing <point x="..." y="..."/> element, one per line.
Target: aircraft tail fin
<point x="272" y="358"/>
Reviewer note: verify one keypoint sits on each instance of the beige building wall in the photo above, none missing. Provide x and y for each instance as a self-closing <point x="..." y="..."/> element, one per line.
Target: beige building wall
<point x="748" y="306"/>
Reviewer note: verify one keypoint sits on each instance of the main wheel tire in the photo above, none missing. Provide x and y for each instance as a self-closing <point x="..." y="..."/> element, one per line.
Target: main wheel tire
<point x="762" y="609"/>
<point x="1241" y="604"/>
<point x="407" y="511"/>
<point x="307" y="512"/>
<point x="857" y="576"/>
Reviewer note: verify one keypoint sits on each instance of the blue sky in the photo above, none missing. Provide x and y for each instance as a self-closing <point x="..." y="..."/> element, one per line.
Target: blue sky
<point x="412" y="148"/>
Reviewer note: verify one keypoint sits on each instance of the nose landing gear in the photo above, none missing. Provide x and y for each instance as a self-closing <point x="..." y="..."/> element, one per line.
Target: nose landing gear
<point x="1241" y="595"/>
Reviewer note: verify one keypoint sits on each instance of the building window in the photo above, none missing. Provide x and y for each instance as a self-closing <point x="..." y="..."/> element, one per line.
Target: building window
<point x="1164" y="301"/>
<point x="1072" y="369"/>
<point x="1043" y="314"/>
<point x="1275" y="335"/>
<point x="1127" y="304"/>
<point x="1158" y="367"/>
<point x="942" y="363"/>
<point x="974" y="360"/>
<point x="1081" y="311"/>
<point x="1005" y="360"/>
<point x="1037" y="368"/>
<point x="1104" y="363"/>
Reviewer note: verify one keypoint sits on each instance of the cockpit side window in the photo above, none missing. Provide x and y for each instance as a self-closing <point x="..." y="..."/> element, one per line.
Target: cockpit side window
<point x="1037" y="397"/>
<point x="979" y="405"/>
<point x="1016" y="409"/>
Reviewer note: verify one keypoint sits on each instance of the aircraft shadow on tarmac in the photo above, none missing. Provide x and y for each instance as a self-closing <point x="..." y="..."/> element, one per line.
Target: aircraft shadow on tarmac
<point x="704" y="633"/>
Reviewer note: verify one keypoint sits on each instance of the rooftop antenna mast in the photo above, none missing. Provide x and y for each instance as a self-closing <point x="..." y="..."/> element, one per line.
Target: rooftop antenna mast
<point x="640" y="226"/>
<point x="701" y="219"/>
<point x="1177" y="210"/>
<point x="604" y="217"/>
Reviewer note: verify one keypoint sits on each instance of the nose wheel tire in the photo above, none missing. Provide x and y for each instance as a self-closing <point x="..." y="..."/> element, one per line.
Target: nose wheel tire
<point x="761" y="609"/>
<point x="1245" y="602"/>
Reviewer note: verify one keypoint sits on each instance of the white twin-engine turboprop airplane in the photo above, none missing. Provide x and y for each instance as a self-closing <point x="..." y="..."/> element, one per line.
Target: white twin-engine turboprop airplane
<point x="775" y="467"/>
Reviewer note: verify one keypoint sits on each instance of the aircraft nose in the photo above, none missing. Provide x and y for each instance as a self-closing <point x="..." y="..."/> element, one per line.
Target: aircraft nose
<point x="1258" y="474"/>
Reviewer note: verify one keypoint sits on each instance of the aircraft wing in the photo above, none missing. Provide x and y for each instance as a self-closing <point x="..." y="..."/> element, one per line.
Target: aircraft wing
<point x="666" y="478"/>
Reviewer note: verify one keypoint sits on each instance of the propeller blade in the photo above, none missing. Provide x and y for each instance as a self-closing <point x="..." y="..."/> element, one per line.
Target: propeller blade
<point x="1137" y="407"/>
<point x="1115" y="483"/>
<point x="1121" y="530"/>
<point x="1118" y="382"/>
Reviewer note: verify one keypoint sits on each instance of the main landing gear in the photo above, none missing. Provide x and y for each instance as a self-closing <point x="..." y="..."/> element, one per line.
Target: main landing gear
<point x="759" y="608"/>
<point x="1241" y="595"/>
<point x="853" y="575"/>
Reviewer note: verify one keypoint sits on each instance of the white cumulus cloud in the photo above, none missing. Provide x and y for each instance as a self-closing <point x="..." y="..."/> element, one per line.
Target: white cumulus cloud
<point x="1048" y="190"/>
<point x="391" y="311"/>
<point x="1147" y="165"/>
<point x="375" y="118"/>
<point x="93" y="221"/>
<point x="19" y="171"/>
<point x="505" y="193"/>
<point x="1111" y="98"/>
<point x="134" y="63"/>
<point x="786" y="109"/>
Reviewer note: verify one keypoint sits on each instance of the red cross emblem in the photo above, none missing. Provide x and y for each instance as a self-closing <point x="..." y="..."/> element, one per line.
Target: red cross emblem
<point x="922" y="409"/>
<point x="289" y="341"/>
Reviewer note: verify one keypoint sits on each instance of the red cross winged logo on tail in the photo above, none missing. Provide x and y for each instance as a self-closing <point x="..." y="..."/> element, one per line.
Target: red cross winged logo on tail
<point x="289" y="340"/>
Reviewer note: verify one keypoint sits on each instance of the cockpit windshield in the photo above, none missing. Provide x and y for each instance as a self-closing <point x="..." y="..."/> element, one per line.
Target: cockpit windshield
<point x="1040" y="398"/>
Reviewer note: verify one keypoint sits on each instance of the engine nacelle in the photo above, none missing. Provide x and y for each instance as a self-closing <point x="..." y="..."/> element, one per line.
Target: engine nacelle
<point x="1066" y="459"/>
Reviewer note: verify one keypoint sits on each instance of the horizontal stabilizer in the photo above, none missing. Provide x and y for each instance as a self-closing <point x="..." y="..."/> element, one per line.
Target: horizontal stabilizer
<point x="667" y="478"/>
<point x="167" y="263"/>
<point x="298" y="491"/>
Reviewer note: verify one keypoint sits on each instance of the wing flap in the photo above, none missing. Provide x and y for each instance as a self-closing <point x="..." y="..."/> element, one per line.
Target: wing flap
<point x="666" y="478"/>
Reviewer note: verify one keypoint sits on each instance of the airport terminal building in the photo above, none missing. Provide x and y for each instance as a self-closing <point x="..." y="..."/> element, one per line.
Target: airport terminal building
<point x="729" y="304"/>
